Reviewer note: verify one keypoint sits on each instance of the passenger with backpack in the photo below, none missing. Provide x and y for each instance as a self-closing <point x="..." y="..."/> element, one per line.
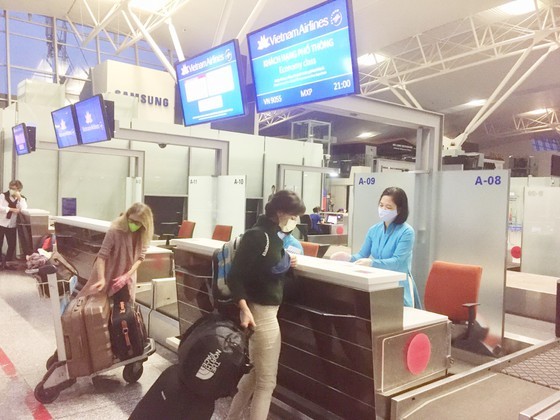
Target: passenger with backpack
<point x="256" y="280"/>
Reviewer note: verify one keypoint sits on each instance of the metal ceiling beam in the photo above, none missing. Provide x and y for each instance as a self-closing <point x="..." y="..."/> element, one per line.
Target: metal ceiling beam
<point x="157" y="51"/>
<point x="525" y="124"/>
<point x="224" y="19"/>
<point x="241" y="36"/>
<point x="175" y="40"/>
<point x="467" y="43"/>
<point x="99" y="26"/>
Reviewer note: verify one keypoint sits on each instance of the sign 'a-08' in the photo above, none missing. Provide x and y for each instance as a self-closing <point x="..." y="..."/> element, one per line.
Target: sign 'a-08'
<point x="305" y="58"/>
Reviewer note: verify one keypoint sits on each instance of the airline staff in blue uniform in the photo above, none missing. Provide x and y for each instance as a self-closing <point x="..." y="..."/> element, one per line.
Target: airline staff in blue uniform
<point x="389" y="243"/>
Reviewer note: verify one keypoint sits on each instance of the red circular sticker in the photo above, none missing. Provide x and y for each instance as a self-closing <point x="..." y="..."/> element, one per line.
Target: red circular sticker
<point x="339" y="230"/>
<point x="418" y="353"/>
<point x="516" y="252"/>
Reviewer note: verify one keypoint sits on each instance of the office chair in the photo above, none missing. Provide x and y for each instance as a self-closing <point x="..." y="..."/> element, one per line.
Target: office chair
<point x="222" y="232"/>
<point x="452" y="290"/>
<point x="310" y="249"/>
<point x="186" y="230"/>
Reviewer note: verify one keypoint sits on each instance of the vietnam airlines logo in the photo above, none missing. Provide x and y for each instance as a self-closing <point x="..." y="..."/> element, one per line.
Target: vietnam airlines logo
<point x="263" y="43"/>
<point x="228" y="55"/>
<point x="184" y="70"/>
<point x="88" y="117"/>
<point x="336" y="17"/>
<point x="62" y="125"/>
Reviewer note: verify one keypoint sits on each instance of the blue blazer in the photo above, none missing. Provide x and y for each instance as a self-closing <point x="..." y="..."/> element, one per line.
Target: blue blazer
<point x="391" y="249"/>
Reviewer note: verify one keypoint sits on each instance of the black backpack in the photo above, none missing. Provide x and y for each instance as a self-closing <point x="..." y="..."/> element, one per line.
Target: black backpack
<point x="213" y="356"/>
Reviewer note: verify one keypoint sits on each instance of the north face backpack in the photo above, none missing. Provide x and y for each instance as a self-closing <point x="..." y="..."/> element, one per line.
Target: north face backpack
<point x="221" y="266"/>
<point x="213" y="356"/>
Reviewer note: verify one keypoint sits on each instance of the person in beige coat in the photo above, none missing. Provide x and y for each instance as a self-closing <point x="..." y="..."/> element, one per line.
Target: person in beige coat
<point x="122" y="251"/>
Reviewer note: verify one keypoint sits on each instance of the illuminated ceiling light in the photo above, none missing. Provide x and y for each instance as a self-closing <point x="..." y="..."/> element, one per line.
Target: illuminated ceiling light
<point x="367" y="135"/>
<point x="476" y="102"/>
<point x="518" y="7"/>
<point x="370" y="59"/>
<point x="148" y="5"/>
<point x="539" y="111"/>
<point x="333" y="174"/>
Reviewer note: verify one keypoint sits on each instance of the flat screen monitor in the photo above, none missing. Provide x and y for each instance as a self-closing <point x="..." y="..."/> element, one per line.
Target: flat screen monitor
<point x="211" y="85"/>
<point x="65" y="129"/>
<point x="92" y="120"/>
<point x="21" y="140"/>
<point x="307" y="57"/>
<point x="332" y="219"/>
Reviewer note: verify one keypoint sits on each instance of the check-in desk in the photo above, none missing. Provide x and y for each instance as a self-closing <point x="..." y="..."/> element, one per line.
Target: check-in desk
<point x="79" y="240"/>
<point x="32" y="225"/>
<point x="342" y="325"/>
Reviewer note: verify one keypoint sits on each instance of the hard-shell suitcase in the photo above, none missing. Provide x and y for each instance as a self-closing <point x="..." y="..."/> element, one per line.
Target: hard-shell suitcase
<point x="128" y="333"/>
<point x="97" y="313"/>
<point x="168" y="398"/>
<point x="75" y="339"/>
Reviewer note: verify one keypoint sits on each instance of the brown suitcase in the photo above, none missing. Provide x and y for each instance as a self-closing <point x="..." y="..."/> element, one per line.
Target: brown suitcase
<point x="97" y="313"/>
<point x="75" y="339"/>
<point x="85" y="324"/>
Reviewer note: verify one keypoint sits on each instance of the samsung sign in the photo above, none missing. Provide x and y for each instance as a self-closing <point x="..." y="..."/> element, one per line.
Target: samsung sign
<point x="145" y="99"/>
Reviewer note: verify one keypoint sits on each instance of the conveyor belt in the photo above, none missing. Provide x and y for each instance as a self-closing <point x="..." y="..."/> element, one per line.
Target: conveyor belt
<point x="542" y="369"/>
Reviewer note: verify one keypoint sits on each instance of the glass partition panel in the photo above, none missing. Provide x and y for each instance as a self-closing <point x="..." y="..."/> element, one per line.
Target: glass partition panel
<point x="202" y="204"/>
<point x="97" y="181"/>
<point x="165" y="170"/>
<point x="470" y="227"/>
<point x="541" y="231"/>
<point x="37" y="172"/>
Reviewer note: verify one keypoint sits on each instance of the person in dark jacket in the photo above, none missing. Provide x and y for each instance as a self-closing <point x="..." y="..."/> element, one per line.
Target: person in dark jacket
<point x="256" y="281"/>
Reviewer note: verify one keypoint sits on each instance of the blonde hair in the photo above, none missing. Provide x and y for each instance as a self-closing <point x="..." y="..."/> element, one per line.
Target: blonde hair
<point x="141" y="213"/>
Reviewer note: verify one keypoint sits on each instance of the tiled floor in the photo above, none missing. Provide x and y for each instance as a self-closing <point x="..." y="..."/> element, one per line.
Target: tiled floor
<point x="26" y="342"/>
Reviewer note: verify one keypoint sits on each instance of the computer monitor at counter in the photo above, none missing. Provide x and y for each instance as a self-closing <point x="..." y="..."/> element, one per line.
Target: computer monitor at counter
<point x="332" y="219"/>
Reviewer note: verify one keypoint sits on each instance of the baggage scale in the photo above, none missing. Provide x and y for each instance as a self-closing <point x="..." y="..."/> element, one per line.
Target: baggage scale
<point x="57" y="377"/>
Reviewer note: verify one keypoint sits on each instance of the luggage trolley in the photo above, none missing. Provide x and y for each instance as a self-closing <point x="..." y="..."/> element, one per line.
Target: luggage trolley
<point x="57" y="377"/>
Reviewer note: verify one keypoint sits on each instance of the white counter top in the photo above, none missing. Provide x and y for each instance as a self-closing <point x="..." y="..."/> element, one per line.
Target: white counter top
<point x="35" y="212"/>
<point x="348" y="274"/>
<point x="336" y="272"/>
<point x="83" y="222"/>
<point x="531" y="282"/>
<point x="415" y="318"/>
<point x="201" y="246"/>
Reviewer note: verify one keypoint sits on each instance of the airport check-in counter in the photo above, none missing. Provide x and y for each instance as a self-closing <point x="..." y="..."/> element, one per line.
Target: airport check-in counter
<point x="348" y="344"/>
<point x="32" y="225"/>
<point x="79" y="240"/>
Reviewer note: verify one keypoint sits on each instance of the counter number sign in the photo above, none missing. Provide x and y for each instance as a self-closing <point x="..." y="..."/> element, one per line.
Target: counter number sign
<point x="369" y="180"/>
<point x="490" y="180"/>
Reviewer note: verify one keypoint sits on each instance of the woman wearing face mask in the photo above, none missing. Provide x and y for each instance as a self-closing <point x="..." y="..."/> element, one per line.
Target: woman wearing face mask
<point x="11" y="203"/>
<point x="122" y="252"/>
<point x="256" y="281"/>
<point x="389" y="243"/>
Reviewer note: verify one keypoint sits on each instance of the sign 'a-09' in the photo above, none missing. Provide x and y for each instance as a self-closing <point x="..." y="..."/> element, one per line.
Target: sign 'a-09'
<point x="305" y="58"/>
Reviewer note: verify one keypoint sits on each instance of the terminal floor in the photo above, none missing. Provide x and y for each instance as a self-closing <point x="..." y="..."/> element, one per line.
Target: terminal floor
<point x="26" y="342"/>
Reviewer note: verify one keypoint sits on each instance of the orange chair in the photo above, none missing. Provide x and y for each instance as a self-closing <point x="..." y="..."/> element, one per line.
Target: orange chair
<point x="186" y="230"/>
<point x="222" y="233"/>
<point x="310" y="249"/>
<point x="452" y="290"/>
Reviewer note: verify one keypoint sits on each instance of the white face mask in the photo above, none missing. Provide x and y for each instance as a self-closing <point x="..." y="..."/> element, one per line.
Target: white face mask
<point x="13" y="192"/>
<point x="387" y="215"/>
<point x="289" y="226"/>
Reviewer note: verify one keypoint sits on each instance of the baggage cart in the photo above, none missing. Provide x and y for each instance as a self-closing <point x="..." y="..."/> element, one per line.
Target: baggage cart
<point x="58" y="377"/>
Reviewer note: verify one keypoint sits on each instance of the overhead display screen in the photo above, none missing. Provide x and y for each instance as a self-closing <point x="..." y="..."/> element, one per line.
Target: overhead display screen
<point x="65" y="127"/>
<point x="210" y="85"/>
<point x="305" y="58"/>
<point x="92" y="120"/>
<point x="20" y="139"/>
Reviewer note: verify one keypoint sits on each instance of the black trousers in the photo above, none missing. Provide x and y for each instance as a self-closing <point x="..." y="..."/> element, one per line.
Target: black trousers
<point x="10" y="234"/>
